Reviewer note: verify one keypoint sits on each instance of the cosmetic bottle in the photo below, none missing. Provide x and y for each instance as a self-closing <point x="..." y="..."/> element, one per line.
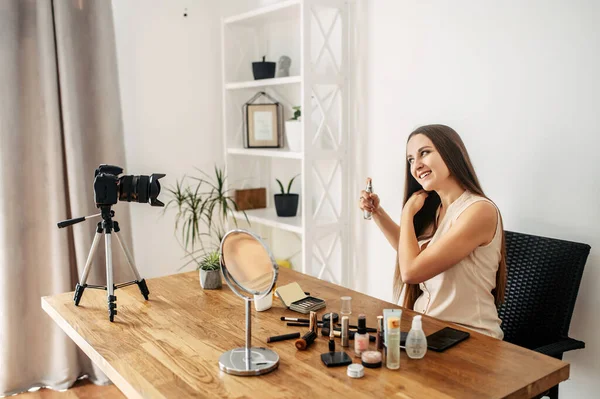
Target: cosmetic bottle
<point x="361" y="338"/>
<point x="379" y="336"/>
<point x="345" y="323"/>
<point x="392" y="360"/>
<point x="369" y="189"/>
<point x="416" y="342"/>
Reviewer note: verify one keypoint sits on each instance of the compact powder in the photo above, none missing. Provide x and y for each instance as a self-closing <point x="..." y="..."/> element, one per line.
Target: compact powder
<point x="371" y="359"/>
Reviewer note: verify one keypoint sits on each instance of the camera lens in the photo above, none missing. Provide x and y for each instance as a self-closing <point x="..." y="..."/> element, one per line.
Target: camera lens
<point x="140" y="188"/>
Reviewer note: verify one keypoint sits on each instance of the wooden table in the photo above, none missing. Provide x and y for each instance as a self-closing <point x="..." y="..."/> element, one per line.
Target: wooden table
<point x="169" y="347"/>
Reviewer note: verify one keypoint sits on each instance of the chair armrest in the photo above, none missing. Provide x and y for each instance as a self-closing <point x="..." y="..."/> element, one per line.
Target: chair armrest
<point x="559" y="347"/>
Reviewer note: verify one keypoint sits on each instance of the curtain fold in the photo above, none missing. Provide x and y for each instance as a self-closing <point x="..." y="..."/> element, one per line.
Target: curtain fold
<point x="60" y="117"/>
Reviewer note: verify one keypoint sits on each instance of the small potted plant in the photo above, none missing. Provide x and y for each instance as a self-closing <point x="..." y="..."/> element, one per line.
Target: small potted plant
<point x="203" y="211"/>
<point x="293" y="130"/>
<point x="286" y="204"/>
<point x="263" y="69"/>
<point x="210" y="271"/>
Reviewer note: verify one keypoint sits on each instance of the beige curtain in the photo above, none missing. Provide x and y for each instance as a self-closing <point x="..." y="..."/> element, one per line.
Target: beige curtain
<point x="60" y="117"/>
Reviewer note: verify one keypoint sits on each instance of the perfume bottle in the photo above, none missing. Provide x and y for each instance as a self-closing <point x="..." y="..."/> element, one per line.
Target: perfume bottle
<point x="369" y="189"/>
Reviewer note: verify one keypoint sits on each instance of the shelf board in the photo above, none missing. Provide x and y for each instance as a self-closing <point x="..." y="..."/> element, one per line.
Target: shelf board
<point x="268" y="217"/>
<point x="263" y="83"/>
<point x="272" y="13"/>
<point x="266" y="152"/>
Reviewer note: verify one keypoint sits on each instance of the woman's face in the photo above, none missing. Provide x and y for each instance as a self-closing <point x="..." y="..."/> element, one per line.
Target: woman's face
<point x="426" y="163"/>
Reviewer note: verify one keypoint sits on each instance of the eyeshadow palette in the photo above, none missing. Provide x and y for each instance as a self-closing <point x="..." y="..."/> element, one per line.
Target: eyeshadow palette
<point x="307" y="304"/>
<point x="295" y="299"/>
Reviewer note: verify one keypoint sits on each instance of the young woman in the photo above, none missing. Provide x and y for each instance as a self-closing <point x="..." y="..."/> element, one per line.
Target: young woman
<point x="450" y="240"/>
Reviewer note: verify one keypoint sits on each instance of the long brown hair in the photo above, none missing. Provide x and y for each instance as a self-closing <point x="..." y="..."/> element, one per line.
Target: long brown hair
<point x="454" y="154"/>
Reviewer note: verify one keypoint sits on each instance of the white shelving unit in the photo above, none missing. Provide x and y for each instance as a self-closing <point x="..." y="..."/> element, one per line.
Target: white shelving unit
<point x="263" y="83"/>
<point x="314" y="34"/>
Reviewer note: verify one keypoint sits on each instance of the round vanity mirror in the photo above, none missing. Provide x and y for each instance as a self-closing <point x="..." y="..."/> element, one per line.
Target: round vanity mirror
<point x="249" y="269"/>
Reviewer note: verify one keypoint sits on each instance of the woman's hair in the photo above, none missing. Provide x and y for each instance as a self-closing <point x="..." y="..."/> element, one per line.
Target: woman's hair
<point x="452" y="150"/>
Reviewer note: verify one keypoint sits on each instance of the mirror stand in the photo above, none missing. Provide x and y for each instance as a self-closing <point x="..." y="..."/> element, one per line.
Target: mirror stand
<point x="248" y="360"/>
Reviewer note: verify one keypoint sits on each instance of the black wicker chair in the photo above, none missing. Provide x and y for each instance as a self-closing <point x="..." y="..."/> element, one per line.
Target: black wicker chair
<point x="543" y="276"/>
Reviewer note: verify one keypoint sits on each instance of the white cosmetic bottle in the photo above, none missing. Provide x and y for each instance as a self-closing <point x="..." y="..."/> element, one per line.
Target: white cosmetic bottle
<point x="369" y="189"/>
<point x="416" y="342"/>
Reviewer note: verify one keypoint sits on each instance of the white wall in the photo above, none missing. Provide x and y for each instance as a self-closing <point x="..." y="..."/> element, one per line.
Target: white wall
<point x="169" y="76"/>
<point x="519" y="81"/>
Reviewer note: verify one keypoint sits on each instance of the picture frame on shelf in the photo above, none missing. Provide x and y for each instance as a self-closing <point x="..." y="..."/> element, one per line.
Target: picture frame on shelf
<point x="262" y="126"/>
<point x="263" y="123"/>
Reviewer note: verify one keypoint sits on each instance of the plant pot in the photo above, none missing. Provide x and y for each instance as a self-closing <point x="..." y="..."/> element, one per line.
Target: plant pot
<point x="263" y="69"/>
<point x="293" y="135"/>
<point x="210" y="279"/>
<point x="286" y="205"/>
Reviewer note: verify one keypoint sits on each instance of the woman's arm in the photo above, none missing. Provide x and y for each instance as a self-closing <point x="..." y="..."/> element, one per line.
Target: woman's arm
<point x="472" y="229"/>
<point x="370" y="202"/>
<point x="388" y="227"/>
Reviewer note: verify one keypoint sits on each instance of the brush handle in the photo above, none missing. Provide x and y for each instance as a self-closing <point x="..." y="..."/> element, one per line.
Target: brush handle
<point x="283" y="337"/>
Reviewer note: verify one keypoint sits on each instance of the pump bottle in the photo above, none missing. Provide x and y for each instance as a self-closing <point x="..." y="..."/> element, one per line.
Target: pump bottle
<point x="416" y="342"/>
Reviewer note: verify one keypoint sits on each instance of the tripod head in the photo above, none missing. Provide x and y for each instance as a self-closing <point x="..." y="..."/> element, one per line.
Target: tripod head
<point x="105" y="211"/>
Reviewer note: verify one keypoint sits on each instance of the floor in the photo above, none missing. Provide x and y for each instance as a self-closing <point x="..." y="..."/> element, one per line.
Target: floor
<point x="81" y="390"/>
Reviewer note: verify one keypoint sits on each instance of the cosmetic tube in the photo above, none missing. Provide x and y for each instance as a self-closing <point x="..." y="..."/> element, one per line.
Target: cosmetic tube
<point x="392" y="360"/>
<point x="345" y="323"/>
<point x="314" y="323"/>
<point x="361" y="338"/>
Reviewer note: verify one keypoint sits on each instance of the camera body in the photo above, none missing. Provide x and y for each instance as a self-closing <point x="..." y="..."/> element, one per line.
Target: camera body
<point x="110" y="188"/>
<point x="106" y="184"/>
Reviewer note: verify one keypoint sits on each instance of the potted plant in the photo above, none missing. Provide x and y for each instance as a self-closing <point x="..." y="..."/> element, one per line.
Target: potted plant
<point x="210" y="271"/>
<point x="203" y="209"/>
<point x="293" y="130"/>
<point x="263" y="69"/>
<point x="286" y="204"/>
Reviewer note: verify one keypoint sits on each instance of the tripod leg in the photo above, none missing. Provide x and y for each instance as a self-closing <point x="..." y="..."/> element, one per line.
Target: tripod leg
<point x="140" y="281"/>
<point x="112" y="299"/>
<point x="86" y="270"/>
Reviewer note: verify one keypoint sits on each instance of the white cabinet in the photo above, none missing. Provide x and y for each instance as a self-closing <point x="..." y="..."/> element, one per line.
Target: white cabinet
<point x="314" y="34"/>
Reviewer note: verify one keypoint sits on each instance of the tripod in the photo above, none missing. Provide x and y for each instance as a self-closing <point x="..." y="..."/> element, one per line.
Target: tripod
<point x="106" y="227"/>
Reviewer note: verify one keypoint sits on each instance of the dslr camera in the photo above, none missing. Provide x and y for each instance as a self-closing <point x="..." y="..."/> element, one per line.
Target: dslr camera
<point x="109" y="187"/>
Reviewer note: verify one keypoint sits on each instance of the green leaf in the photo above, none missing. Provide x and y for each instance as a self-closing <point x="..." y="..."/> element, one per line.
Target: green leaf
<point x="290" y="185"/>
<point x="206" y="204"/>
<point x="280" y="186"/>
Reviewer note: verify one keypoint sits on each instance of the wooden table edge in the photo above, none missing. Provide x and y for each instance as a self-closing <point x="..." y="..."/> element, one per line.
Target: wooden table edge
<point x="127" y="389"/>
<point x="542" y="385"/>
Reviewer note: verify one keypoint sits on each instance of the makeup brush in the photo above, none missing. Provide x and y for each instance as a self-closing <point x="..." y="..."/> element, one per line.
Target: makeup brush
<point x="336" y="333"/>
<point x="294" y="319"/>
<point x="305" y="341"/>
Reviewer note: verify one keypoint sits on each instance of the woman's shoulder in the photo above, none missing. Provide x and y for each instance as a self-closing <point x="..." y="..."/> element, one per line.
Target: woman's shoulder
<point x="481" y="214"/>
<point x="477" y="204"/>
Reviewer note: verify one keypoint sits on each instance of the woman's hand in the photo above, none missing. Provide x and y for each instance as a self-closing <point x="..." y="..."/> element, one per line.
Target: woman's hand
<point x="415" y="203"/>
<point x="368" y="202"/>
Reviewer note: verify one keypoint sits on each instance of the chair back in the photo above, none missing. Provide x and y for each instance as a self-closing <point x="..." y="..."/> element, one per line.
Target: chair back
<point x="543" y="276"/>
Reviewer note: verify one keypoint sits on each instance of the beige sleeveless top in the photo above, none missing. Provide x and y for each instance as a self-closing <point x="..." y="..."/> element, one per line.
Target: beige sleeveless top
<point x="463" y="293"/>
